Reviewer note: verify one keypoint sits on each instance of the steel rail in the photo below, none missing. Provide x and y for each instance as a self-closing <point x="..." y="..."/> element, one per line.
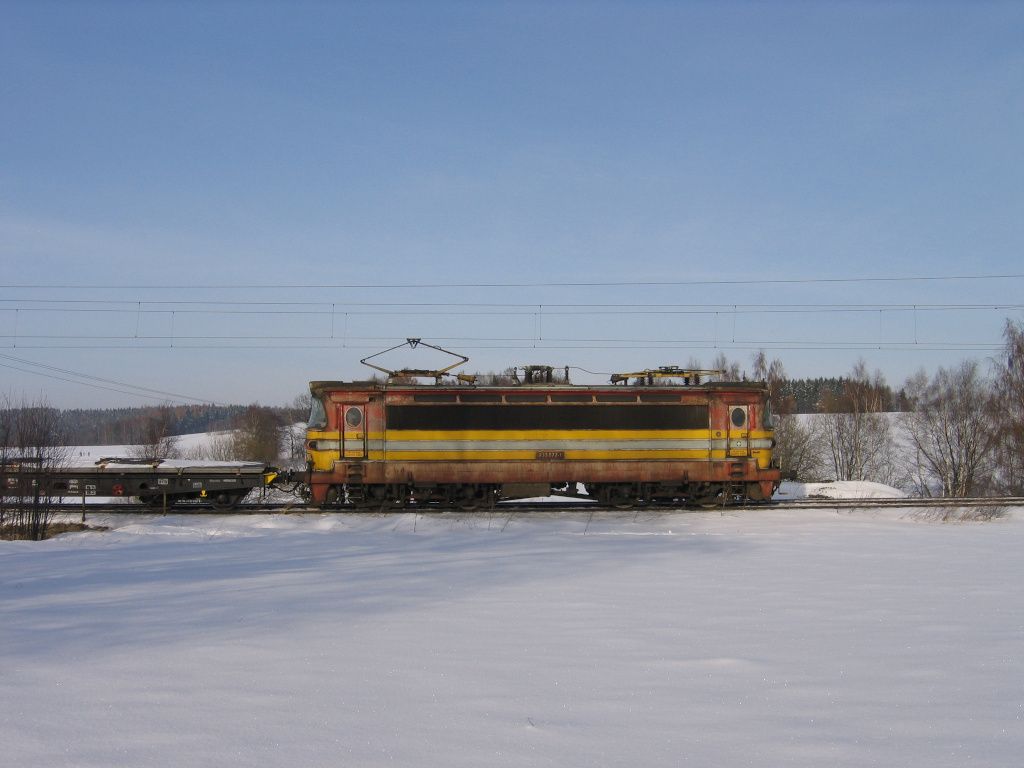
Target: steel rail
<point x="297" y="507"/>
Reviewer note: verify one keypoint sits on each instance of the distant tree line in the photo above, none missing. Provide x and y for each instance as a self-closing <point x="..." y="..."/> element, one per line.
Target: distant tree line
<point x="808" y="395"/>
<point x="122" y="426"/>
<point x="250" y="432"/>
<point x="127" y="426"/>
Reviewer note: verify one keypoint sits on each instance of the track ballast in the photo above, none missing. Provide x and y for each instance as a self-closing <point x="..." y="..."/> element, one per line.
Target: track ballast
<point x="199" y="508"/>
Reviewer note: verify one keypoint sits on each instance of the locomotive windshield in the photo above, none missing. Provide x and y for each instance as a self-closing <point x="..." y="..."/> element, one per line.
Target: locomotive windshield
<point x="317" y="414"/>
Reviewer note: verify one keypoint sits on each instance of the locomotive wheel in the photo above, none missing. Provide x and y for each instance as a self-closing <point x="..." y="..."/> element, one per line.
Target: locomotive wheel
<point x="713" y="496"/>
<point x="378" y="497"/>
<point x="472" y="497"/>
<point x="617" y="496"/>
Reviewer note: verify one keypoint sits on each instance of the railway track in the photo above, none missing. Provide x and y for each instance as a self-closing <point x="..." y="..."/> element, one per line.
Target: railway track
<point x="539" y="506"/>
<point x="984" y="501"/>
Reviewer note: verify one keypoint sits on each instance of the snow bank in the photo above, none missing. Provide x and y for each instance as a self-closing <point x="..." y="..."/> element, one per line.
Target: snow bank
<point x="839" y="489"/>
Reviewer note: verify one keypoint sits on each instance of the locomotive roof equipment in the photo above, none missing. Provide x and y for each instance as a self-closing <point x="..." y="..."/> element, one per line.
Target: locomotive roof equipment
<point x="437" y="374"/>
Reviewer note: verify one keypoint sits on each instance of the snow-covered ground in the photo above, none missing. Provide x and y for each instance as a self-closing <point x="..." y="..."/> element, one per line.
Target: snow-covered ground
<point x="186" y="444"/>
<point x="839" y="489"/>
<point x="767" y="638"/>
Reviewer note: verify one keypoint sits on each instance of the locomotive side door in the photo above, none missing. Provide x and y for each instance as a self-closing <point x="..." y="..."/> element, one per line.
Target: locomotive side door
<point x="739" y="431"/>
<point x="353" y="431"/>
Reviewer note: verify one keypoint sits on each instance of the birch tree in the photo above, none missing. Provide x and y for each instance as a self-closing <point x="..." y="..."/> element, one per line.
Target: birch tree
<point x="950" y="431"/>
<point x="1008" y="413"/>
<point x="855" y="433"/>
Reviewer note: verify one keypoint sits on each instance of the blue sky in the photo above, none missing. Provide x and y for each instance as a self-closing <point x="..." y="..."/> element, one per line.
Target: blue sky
<point x="219" y="152"/>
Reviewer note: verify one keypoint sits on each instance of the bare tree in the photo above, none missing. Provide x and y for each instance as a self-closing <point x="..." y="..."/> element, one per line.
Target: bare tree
<point x="7" y="464"/>
<point x="1008" y="412"/>
<point x="773" y="374"/>
<point x="950" y="430"/>
<point x="154" y="438"/>
<point x="32" y="444"/>
<point x="299" y="409"/>
<point x="730" y="368"/>
<point x="855" y="432"/>
<point x="798" y="448"/>
<point x="505" y="378"/>
<point x="219" y="446"/>
<point x="258" y="435"/>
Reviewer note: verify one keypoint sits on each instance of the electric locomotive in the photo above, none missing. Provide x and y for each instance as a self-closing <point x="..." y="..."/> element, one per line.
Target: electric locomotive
<point x="665" y="435"/>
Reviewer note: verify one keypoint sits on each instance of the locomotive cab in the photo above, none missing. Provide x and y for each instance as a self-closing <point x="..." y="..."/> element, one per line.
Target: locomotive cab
<point x="341" y="423"/>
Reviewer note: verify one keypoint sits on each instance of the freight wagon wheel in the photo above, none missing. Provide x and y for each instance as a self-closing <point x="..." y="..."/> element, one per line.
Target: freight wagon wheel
<point x="225" y="500"/>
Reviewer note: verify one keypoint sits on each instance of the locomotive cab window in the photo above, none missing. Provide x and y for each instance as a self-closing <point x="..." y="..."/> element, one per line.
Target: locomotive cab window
<point x="739" y="416"/>
<point x="353" y="417"/>
<point x="317" y="414"/>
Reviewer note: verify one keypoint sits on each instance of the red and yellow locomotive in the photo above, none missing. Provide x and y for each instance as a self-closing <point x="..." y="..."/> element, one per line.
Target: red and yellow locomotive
<point x="648" y="437"/>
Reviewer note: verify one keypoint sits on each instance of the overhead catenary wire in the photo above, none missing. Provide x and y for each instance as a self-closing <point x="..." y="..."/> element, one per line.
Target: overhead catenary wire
<point x="498" y="310"/>
<point x="524" y="284"/>
<point x="179" y="325"/>
<point x="532" y="343"/>
<point x="51" y="371"/>
<point x="80" y="382"/>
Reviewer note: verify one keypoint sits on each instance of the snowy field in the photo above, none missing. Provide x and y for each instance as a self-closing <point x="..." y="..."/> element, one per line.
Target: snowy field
<point x="84" y="455"/>
<point x="764" y="638"/>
